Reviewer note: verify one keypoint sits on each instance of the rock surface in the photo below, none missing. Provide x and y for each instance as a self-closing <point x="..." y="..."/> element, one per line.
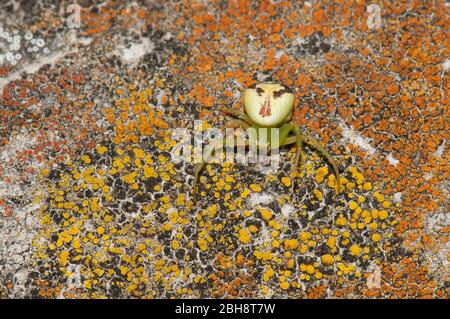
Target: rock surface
<point x="91" y="204"/>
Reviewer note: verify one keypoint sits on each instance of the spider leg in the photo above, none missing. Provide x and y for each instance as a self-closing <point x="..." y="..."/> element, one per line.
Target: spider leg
<point x="299" y="141"/>
<point x="197" y="171"/>
<point x="284" y="140"/>
<point x="239" y="115"/>
<point x="242" y="123"/>
<point x="289" y="140"/>
<point x="237" y="123"/>
<point x="198" y="167"/>
<point x="284" y="132"/>
<point x="314" y="143"/>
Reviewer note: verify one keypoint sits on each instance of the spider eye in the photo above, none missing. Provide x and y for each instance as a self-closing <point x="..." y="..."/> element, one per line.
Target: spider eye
<point x="259" y="91"/>
<point x="277" y="94"/>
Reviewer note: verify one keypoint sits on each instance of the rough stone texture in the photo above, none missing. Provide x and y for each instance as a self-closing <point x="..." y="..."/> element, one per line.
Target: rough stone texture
<point x="91" y="204"/>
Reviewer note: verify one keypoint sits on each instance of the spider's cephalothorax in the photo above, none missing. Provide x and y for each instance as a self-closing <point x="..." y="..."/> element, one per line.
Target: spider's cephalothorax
<point x="268" y="105"/>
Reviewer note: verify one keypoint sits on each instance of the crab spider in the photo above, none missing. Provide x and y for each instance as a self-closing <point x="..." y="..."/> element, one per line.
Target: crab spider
<point x="270" y="105"/>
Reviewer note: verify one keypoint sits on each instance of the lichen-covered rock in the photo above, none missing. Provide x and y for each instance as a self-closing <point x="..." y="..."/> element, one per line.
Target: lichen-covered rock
<point x="92" y="204"/>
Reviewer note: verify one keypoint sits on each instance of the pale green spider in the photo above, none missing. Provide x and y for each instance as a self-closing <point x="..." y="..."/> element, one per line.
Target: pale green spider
<point x="269" y="105"/>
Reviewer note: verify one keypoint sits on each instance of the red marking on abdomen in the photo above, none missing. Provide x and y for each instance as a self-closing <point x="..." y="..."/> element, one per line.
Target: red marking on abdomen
<point x="265" y="109"/>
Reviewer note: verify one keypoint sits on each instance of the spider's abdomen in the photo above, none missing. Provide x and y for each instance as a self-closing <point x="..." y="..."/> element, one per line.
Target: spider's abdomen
<point x="268" y="104"/>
